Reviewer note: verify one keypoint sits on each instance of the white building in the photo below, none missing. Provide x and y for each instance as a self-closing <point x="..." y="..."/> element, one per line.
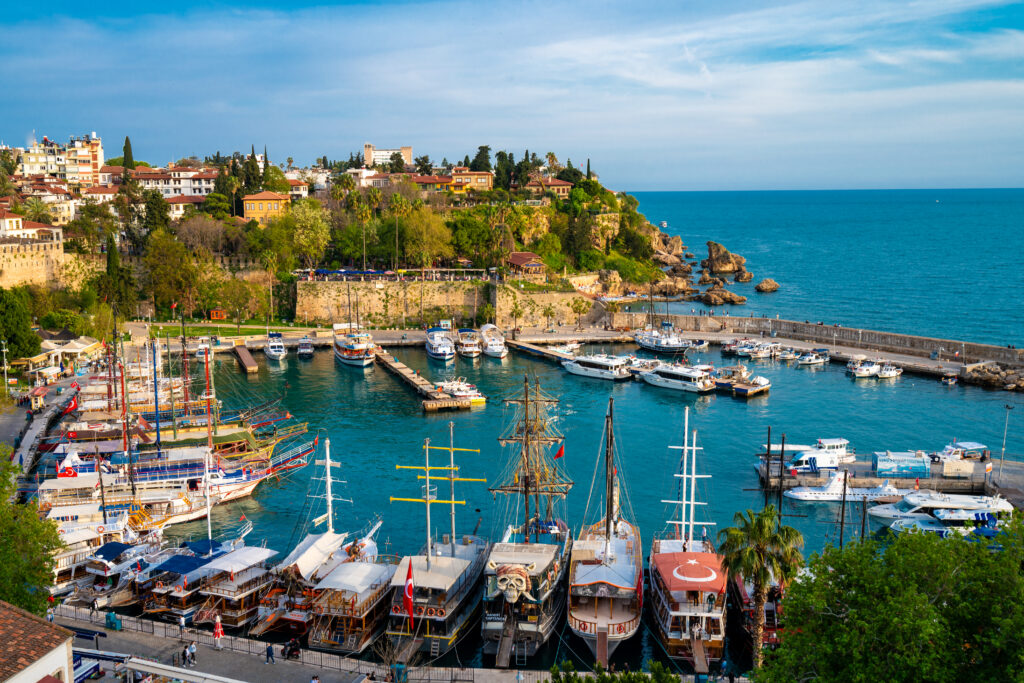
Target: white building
<point x="176" y="181"/>
<point x="373" y="156"/>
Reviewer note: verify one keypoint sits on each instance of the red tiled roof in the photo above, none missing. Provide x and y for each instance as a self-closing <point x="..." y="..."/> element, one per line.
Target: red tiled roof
<point x="100" y="189"/>
<point x="522" y="258"/>
<point x="156" y="176"/>
<point x="431" y="179"/>
<point x="32" y="225"/>
<point x="555" y="182"/>
<point x="112" y="169"/>
<point x="296" y="183"/>
<point x="265" y="195"/>
<point x="206" y="175"/>
<point x="26" y="639"/>
<point x="185" y="199"/>
<point x="8" y="214"/>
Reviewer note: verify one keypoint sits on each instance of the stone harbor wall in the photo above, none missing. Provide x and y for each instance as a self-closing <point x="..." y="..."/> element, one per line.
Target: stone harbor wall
<point x="26" y="262"/>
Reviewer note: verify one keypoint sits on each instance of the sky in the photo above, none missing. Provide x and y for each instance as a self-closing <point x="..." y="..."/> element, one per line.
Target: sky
<point x="713" y="95"/>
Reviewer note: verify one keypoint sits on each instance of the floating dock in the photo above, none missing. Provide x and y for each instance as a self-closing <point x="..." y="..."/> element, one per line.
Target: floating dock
<point x="538" y="351"/>
<point x="863" y="476"/>
<point x="740" y="389"/>
<point x="433" y="400"/>
<point x="245" y="359"/>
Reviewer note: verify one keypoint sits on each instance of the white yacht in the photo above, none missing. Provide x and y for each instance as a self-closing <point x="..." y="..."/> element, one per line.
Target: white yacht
<point x="865" y="369"/>
<point x="494" y="341"/>
<point x="889" y="371"/>
<point x="353" y="347"/>
<point x="961" y="450"/>
<point x="275" y="349"/>
<point x="947" y="522"/>
<point x="469" y="343"/>
<point x="681" y="377"/>
<point x="788" y="355"/>
<point x="924" y="504"/>
<point x="440" y="345"/>
<point x="599" y="366"/>
<point x="460" y="388"/>
<point x="812" y="358"/>
<point x="666" y="341"/>
<point x="832" y="492"/>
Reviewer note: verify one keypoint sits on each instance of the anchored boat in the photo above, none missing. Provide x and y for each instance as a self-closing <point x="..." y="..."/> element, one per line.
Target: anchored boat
<point x="494" y="341"/>
<point x="353" y="347"/>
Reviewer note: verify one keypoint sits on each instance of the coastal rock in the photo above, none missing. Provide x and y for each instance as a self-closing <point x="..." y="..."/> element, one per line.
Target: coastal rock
<point x="673" y="286"/>
<point x="744" y="276"/>
<point x="767" y="285"/>
<point x="611" y="282"/>
<point x="674" y="245"/>
<point x="680" y="270"/>
<point x="718" y="295"/>
<point x="689" y="254"/>
<point x="721" y="261"/>
<point x="705" y="278"/>
<point x="665" y="259"/>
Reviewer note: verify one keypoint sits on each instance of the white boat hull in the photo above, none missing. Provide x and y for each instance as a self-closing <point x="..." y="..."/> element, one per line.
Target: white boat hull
<point x="496" y="353"/>
<point x="659" y="381"/>
<point x="357" y="361"/>
<point x="441" y="356"/>
<point x="594" y="373"/>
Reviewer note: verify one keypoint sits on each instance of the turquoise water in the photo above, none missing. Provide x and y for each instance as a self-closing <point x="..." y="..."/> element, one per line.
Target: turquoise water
<point x="942" y="263"/>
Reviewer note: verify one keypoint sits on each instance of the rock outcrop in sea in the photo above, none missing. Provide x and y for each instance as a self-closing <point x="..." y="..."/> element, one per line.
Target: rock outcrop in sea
<point x="718" y="295"/>
<point x="721" y="261"/>
<point x="767" y="285"/>
<point x="744" y="276"/>
<point x="996" y="376"/>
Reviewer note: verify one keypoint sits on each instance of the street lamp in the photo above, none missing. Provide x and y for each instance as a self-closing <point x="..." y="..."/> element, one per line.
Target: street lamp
<point x="1002" y="454"/>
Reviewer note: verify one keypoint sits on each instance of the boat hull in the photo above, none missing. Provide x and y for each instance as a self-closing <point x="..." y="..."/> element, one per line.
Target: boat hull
<point x="658" y="381"/>
<point x="594" y="373"/>
<point x="496" y="353"/>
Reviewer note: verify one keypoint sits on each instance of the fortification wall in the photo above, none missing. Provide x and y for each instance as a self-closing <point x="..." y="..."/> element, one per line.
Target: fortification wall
<point x="25" y="262"/>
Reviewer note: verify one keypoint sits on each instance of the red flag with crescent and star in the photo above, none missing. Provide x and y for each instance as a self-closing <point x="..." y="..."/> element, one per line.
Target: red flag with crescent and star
<point x="72" y="405"/>
<point x="407" y="597"/>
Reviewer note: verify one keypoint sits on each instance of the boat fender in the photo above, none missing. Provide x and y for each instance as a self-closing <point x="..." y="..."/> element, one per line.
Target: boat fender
<point x="352" y="604"/>
<point x="395" y="609"/>
<point x="232" y="577"/>
<point x="178" y="588"/>
<point x="60" y="531"/>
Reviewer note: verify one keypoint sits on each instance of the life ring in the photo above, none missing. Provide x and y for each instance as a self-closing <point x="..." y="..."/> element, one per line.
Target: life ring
<point x="395" y="609"/>
<point x="60" y="531"/>
<point x="440" y="612"/>
<point x="100" y="529"/>
<point x="583" y="626"/>
<point x="159" y="584"/>
<point x="551" y="576"/>
<point x="179" y="588"/>
<point x="419" y="611"/>
<point x="430" y="611"/>
<point x="620" y="628"/>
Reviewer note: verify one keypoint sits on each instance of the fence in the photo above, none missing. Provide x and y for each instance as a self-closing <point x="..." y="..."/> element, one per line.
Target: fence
<point x="314" y="658"/>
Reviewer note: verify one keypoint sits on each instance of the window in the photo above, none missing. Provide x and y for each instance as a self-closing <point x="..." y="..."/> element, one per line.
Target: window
<point x="261" y="206"/>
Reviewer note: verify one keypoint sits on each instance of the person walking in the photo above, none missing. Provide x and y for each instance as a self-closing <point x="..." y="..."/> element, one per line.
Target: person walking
<point x="181" y="627"/>
<point x="184" y="656"/>
<point x="270" y="654"/>
<point x="192" y="652"/>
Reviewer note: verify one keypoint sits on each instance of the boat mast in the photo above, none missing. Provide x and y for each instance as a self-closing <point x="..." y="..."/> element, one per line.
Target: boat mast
<point x="609" y="464"/>
<point x="693" y="482"/>
<point x="184" y="363"/>
<point x="426" y="496"/>
<point x="170" y="386"/>
<point x="451" y="478"/>
<point x="681" y="488"/>
<point x="209" y="451"/>
<point x="526" y="457"/>
<point x="156" y="399"/>
<point x="327" y="483"/>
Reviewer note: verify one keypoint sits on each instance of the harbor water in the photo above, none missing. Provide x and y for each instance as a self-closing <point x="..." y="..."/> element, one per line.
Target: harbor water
<point x="939" y="263"/>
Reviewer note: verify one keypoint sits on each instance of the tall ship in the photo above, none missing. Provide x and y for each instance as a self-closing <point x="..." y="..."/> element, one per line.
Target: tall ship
<point x="606" y="580"/>
<point x="525" y="590"/>
<point x="494" y="341"/>
<point x="442" y="585"/>
<point x="353" y="347"/>
<point x="688" y="581"/>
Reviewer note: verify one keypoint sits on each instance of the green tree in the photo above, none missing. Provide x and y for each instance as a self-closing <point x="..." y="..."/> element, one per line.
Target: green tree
<point x="63" y="318"/>
<point x="16" y="326"/>
<point x="171" y="273"/>
<point x="29" y="545"/>
<point x="217" y="205"/>
<point x="397" y="163"/>
<point x="157" y="212"/>
<point x="423" y="165"/>
<point x="588" y="169"/>
<point x="516" y="311"/>
<point x="274" y="180"/>
<point x="482" y="160"/>
<point x="659" y="673"/>
<point x="374" y="197"/>
<point x="579" y="307"/>
<point x="486" y="313"/>
<point x="760" y="550"/>
<point x="117" y="284"/>
<point x="127" y="160"/>
<point x="8" y="162"/>
<point x="312" y="231"/>
<point x="35" y="209"/>
<point x="399" y="207"/>
<point x="240" y="299"/>
<point x="918" y="608"/>
<point x="549" y="313"/>
<point x="7" y="187"/>
<point x="427" y="237"/>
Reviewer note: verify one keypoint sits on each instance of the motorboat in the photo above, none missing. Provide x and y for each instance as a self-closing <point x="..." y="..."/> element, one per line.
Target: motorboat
<point x="275" y="349"/>
<point x="665" y="341"/>
<point x="949" y="379"/>
<point x="570" y="348"/>
<point x="889" y="371"/>
<point x="924" y="504"/>
<point x="606" y="570"/>
<point x="494" y="341"/>
<point x="826" y="454"/>
<point x="599" y="366"/>
<point x="812" y="358"/>
<point x="305" y="349"/>
<point x="353" y="347"/>
<point x="946" y="523"/>
<point x="961" y="450"/>
<point x="469" y="343"/>
<point x="855" y="362"/>
<point x="680" y="377"/>
<point x="865" y="369"/>
<point x="699" y="344"/>
<point x="832" y="491"/>
<point x="460" y="388"/>
<point x="788" y="355"/>
<point x="440" y="345"/>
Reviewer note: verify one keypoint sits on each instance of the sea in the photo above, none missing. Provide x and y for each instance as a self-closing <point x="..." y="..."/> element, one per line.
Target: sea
<point x="942" y="263"/>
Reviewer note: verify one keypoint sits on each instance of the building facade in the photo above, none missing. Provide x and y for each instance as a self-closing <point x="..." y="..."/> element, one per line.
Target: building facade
<point x="373" y="156"/>
<point x="464" y="180"/>
<point x="78" y="162"/>
<point x="264" y="206"/>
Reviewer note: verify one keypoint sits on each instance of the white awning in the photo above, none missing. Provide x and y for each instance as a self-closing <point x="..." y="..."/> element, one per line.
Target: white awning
<point x="311" y="552"/>
<point x="443" y="572"/>
<point x="240" y="559"/>
<point x="357" y="577"/>
<point x="74" y="510"/>
<point x="79" y="535"/>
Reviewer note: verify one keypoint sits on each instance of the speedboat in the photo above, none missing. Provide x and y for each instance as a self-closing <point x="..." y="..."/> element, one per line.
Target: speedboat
<point x="961" y="450"/>
<point x="949" y="379"/>
<point x="440" y="345"/>
<point x="946" y="523"/>
<point x="680" y="377"/>
<point x="866" y="369"/>
<point x="924" y="504"/>
<point x="460" y="388"/>
<point x="855" y="362"/>
<point x="275" y="349"/>
<point x="352" y="347"/>
<point x="832" y="492"/>
<point x="788" y="354"/>
<point x="569" y="348"/>
<point x="699" y="345"/>
<point x="305" y="348"/>
<point x="889" y="371"/>
<point x="599" y="366"/>
<point x="468" y="343"/>
<point x="494" y="341"/>
<point x="812" y="358"/>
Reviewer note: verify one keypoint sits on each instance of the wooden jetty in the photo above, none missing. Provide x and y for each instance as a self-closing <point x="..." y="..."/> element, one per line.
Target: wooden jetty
<point x="433" y="400"/>
<point x="245" y="359"/>
<point x="537" y="351"/>
<point x="862" y="476"/>
<point x="740" y="389"/>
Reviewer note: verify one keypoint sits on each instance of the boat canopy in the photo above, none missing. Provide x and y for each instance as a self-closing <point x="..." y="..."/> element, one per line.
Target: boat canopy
<point x="969" y="445"/>
<point x="442" y="575"/>
<point x="82" y="481"/>
<point x="203" y="546"/>
<point x="63" y="511"/>
<point x="540" y="554"/>
<point x="691" y="572"/>
<point x="240" y="559"/>
<point x="109" y="551"/>
<point x="357" y="578"/>
<point x="619" y="571"/>
<point x="79" y="536"/>
<point x="313" y="551"/>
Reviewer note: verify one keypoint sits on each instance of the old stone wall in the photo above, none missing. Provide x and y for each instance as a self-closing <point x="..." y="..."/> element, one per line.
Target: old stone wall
<point x="533" y="305"/>
<point x="24" y="262"/>
<point x="827" y="335"/>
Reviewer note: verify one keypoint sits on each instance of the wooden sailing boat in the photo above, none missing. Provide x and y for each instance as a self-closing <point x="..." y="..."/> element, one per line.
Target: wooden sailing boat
<point x="688" y="583"/>
<point x="606" y="581"/>
<point x="446" y="576"/>
<point x="524" y="596"/>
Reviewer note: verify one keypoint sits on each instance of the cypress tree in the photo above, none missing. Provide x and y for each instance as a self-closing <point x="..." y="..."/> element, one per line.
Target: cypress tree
<point x="113" y="260"/>
<point x="465" y="162"/>
<point x="129" y="160"/>
<point x="588" y="168"/>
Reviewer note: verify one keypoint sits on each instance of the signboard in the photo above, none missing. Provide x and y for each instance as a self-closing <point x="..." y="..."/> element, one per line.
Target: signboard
<point x="446" y="324"/>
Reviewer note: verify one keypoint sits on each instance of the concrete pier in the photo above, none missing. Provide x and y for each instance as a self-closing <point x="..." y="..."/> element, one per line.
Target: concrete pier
<point x="245" y="359"/>
<point x="433" y="400"/>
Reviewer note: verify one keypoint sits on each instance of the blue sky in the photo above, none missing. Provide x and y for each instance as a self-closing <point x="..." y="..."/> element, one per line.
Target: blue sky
<point x="679" y="95"/>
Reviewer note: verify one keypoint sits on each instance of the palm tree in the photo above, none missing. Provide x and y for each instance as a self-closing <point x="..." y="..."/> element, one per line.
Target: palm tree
<point x="362" y="212"/>
<point x="290" y="162"/>
<point x="549" y="313"/>
<point x="516" y="312"/>
<point x="579" y="307"/>
<point x="234" y="185"/>
<point x="758" y="548"/>
<point x="36" y="210"/>
<point x="399" y="207"/>
<point x="374" y="198"/>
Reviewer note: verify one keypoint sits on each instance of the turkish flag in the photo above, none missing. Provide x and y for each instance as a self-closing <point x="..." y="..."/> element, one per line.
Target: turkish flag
<point x="561" y="452"/>
<point x="74" y="385"/>
<point x="72" y="405"/>
<point x="67" y="472"/>
<point x="407" y="597"/>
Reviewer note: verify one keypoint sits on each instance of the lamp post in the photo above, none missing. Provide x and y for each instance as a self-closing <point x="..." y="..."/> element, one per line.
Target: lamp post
<point x="1002" y="453"/>
<point x="7" y="390"/>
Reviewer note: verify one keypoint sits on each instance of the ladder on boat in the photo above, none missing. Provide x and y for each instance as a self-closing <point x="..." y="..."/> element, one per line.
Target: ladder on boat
<point x="521" y="654"/>
<point x="435" y="647"/>
<point x="505" y="644"/>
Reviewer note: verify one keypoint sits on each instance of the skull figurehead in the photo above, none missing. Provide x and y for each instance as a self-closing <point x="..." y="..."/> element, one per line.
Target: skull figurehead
<point x="514" y="580"/>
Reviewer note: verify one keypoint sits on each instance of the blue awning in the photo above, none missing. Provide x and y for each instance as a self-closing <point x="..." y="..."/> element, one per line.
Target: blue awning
<point x="108" y="551"/>
<point x="202" y="547"/>
<point x="183" y="564"/>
